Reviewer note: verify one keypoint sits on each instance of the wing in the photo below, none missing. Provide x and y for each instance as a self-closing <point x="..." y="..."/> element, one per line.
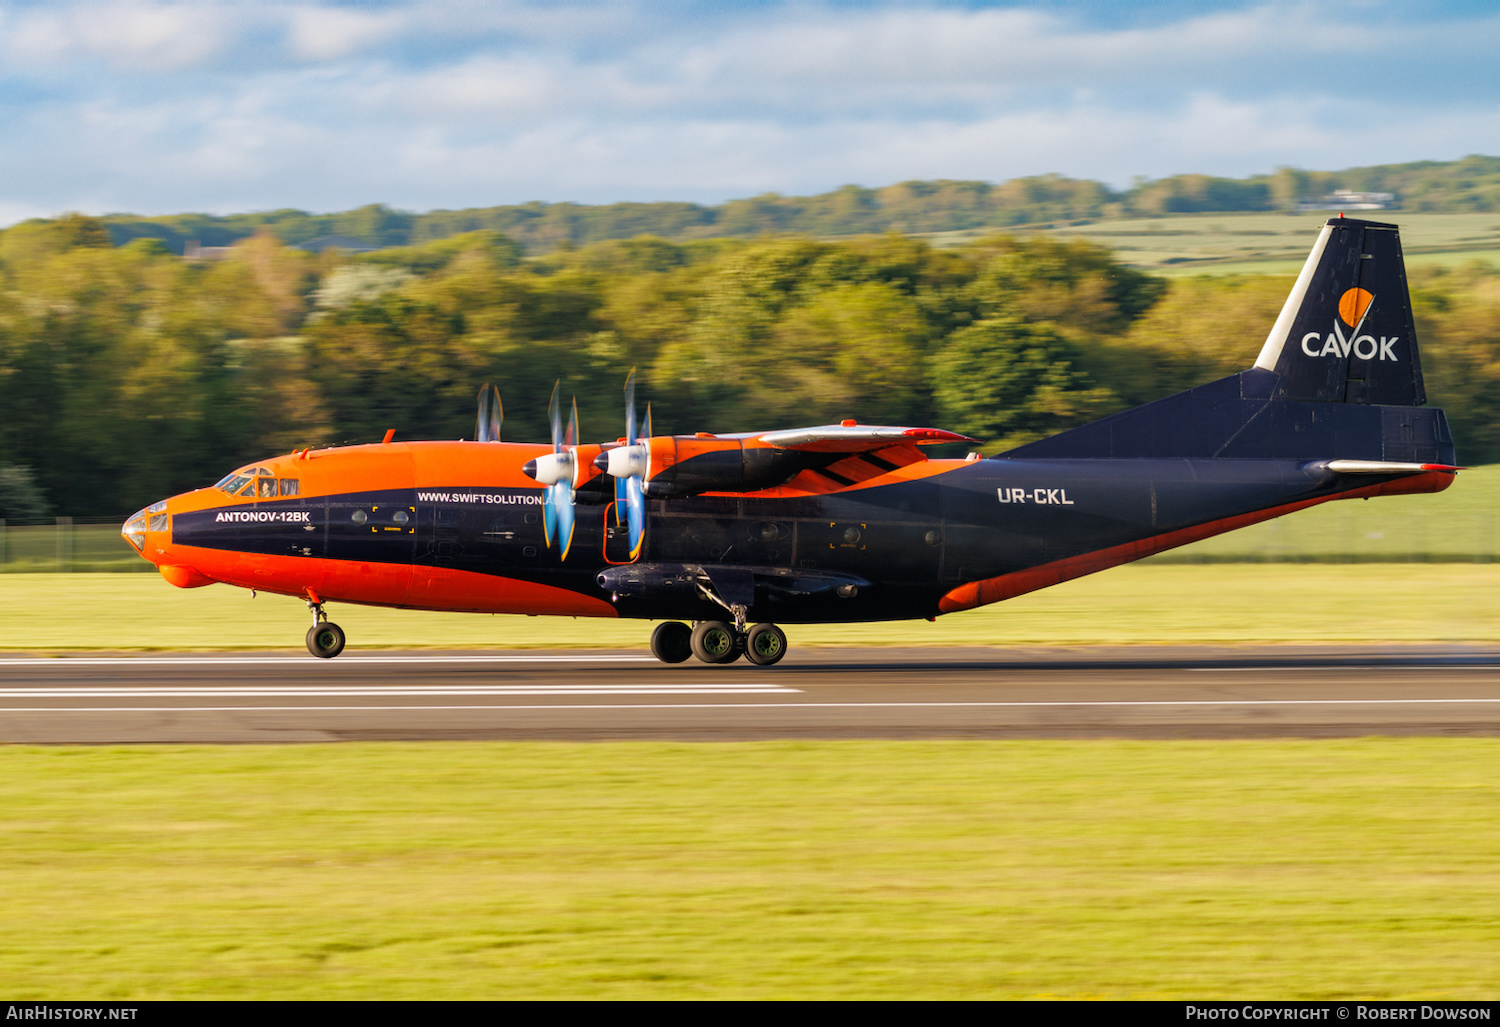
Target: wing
<point x="856" y="438"/>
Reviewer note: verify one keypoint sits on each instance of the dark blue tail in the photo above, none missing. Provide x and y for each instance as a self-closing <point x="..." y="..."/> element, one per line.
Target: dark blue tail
<point x="1339" y="377"/>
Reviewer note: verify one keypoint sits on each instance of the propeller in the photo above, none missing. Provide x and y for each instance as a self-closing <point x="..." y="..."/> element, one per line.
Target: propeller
<point x="629" y="464"/>
<point x="491" y="413"/>
<point x="557" y="471"/>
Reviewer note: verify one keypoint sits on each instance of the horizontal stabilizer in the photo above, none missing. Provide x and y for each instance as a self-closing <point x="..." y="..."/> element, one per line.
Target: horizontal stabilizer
<point x="1384" y="467"/>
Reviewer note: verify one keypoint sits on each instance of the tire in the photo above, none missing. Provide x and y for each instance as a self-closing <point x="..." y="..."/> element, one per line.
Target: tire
<point x="325" y="640"/>
<point x="715" y="642"/>
<point x="765" y="645"/>
<point x="672" y="642"/>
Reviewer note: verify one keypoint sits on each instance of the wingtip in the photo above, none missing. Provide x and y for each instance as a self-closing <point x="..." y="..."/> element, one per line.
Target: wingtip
<point x="932" y="436"/>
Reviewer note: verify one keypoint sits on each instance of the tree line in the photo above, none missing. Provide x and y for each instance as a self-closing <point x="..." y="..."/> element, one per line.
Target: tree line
<point x="128" y="374"/>
<point x="1471" y="184"/>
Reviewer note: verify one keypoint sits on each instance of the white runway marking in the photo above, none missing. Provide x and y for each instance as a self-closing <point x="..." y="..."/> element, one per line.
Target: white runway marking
<point x="304" y="661"/>
<point x="1123" y="703"/>
<point x="294" y="691"/>
<point x="1339" y="666"/>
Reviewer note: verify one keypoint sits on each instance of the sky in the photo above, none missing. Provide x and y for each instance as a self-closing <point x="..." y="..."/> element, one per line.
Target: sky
<point x="157" y="108"/>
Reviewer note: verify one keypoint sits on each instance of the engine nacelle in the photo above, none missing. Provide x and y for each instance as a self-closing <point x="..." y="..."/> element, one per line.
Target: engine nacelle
<point x="550" y="468"/>
<point x="689" y="466"/>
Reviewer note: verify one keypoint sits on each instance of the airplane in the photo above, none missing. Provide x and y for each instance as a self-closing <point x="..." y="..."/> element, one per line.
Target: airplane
<point x="722" y="538"/>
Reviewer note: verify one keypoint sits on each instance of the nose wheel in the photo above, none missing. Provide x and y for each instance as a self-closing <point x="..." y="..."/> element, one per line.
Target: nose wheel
<point x="325" y="639"/>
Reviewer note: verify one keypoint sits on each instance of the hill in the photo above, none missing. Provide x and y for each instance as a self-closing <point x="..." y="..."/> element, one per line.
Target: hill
<point x="1467" y="186"/>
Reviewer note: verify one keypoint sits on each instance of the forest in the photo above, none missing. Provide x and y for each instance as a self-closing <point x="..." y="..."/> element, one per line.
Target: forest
<point x="128" y="373"/>
<point x="1463" y="186"/>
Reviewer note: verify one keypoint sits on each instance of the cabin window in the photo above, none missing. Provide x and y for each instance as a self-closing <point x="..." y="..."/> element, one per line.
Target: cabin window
<point x="400" y="517"/>
<point x="359" y="517"/>
<point x="289" y="486"/>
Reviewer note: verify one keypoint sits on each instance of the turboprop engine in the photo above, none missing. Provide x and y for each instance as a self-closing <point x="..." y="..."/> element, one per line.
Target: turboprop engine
<point x="678" y="466"/>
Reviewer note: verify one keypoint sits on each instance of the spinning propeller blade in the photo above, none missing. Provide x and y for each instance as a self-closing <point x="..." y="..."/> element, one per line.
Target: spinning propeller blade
<point x="557" y="472"/>
<point x="491" y="413"/>
<point x="629" y="464"/>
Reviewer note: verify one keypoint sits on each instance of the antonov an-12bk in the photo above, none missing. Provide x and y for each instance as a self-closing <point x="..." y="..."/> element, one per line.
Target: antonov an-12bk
<point x="843" y="522"/>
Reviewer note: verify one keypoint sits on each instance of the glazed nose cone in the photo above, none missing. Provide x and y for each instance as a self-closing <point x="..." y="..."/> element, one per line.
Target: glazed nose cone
<point x="138" y="524"/>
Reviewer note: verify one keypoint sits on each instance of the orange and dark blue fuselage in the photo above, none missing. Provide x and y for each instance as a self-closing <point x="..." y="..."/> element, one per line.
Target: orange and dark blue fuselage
<point x="831" y="525"/>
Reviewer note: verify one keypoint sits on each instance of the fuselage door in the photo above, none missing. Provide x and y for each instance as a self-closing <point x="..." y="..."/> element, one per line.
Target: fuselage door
<point x="617" y="538"/>
<point x="442" y="540"/>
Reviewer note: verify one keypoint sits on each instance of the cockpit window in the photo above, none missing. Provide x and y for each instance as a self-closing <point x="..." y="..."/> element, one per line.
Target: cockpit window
<point x="234" y="483"/>
<point x="266" y="488"/>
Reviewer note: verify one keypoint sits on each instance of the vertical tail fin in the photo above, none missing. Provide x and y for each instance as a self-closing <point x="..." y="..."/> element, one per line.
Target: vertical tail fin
<point x="1345" y="334"/>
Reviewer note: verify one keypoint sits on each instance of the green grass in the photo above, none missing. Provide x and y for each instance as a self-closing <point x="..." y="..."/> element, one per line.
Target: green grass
<point x="1460" y="524"/>
<point x="1292" y="869"/>
<point x="1251" y="586"/>
<point x="1216" y="603"/>
<point x="1265" y="243"/>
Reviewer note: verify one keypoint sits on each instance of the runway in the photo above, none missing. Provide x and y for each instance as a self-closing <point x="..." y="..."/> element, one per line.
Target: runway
<point x="831" y="693"/>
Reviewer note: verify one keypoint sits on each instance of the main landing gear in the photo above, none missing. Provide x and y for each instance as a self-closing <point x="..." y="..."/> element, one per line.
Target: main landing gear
<point x="716" y="641"/>
<point x="325" y="639"/>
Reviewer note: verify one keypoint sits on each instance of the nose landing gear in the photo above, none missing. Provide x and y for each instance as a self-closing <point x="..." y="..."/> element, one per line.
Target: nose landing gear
<point x="325" y="639"/>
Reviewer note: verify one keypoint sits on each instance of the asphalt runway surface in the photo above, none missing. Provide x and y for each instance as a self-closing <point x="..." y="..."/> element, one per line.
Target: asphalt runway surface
<point x="1164" y="692"/>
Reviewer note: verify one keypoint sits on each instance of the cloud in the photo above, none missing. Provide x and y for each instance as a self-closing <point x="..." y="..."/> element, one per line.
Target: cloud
<point x="129" y="36"/>
<point x="328" y="33"/>
<point x="165" y="107"/>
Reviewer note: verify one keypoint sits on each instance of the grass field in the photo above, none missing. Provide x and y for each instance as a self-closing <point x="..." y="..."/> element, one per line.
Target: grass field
<point x="1265" y="243"/>
<point x="1324" y="575"/>
<point x="1294" y="869"/>
<point x="1289" y="869"/>
<point x="1214" y="603"/>
<point x="1461" y="524"/>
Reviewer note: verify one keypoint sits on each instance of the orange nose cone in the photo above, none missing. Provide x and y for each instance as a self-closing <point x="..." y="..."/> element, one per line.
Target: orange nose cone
<point x="184" y="577"/>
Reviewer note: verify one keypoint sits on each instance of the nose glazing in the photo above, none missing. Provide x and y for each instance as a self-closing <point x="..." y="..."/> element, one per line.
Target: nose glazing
<point x="134" y="530"/>
<point x="152" y="518"/>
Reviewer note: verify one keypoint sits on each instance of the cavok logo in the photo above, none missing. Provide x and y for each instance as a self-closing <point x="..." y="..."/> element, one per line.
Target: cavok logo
<point x="1354" y="305"/>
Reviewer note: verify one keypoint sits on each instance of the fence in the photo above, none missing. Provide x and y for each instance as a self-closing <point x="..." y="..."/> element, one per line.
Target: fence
<point x="1458" y="526"/>
<point x="67" y="544"/>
